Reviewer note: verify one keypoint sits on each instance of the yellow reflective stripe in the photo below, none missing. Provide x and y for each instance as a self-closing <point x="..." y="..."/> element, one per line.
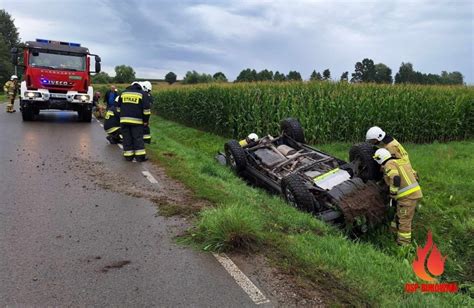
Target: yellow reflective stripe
<point x="406" y="235"/>
<point x="322" y="176"/>
<point x="146" y="111"/>
<point x="408" y="192"/>
<point x="128" y="153"/>
<point x="113" y="129"/>
<point x="140" y="152"/>
<point x="118" y="109"/>
<point x="405" y="176"/>
<point x="130" y="120"/>
<point x="146" y="136"/>
<point x="391" y="172"/>
<point x="393" y="190"/>
<point x="110" y="113"/>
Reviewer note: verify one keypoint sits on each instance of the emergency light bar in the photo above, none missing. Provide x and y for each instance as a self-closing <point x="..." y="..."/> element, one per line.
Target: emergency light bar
<point x="58" y="43"/>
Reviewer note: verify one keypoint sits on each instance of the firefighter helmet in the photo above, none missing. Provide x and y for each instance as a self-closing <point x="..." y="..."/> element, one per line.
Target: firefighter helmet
<point x="376" y="133"/>
<point x="252" y="137"/>
<point x="381" y="155"/>
<point x="138" y="83"/>
<point x="13" y="77"/>
<point x="146" y="85"/>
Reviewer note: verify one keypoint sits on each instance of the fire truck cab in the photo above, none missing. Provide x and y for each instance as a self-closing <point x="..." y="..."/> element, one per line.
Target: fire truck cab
<point x="56" y="76"/>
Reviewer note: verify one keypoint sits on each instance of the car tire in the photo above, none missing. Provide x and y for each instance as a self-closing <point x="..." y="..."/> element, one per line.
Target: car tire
<point x="365" y="167"/>
<point x="293" y="129"/>
<point x="235" y="156"/>
<point x="27" y="114"/>
<point x="297" y="194"/>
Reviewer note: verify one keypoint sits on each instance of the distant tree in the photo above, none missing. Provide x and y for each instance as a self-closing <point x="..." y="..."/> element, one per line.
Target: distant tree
<point x="364" y="71"/>
<point x="219" y="77"/>
<point x="345" y="76"/>
<point x="8" y="38"/>
<point x="101" y="77"/>
<point x="265" y="75"/>
<point x="247" y="75"/>
<point x="452" y="78"/>
<point x="124" y="74"/>
<point x="383" y="74"/>
<point x="294" y="76"/>
<point x="406" y="74"/>
<point x="8" y="30"/>
<point x="279" y="76"/>
<point x="170" y="78"/>
<point x="193" y="77"/>
<point x="326" y="74"/>
<point x="315" y="76"/>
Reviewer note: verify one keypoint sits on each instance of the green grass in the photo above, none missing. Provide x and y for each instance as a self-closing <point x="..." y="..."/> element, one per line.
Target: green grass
<point x="370" y="271"/>
<point x="3" y="97"/>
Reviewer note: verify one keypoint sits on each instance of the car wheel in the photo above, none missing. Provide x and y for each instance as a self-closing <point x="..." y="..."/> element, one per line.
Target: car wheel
<point x="297" y="194"/>
<point x="365" y="167"/>
<point x="293" y="129"/>
<point x="235" y="156"/>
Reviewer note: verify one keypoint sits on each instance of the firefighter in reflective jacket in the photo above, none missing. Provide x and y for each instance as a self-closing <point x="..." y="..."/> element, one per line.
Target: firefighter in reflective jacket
<point x="11" y="88"/>
<point x="375" y="135"/>
<point x="134" y="108"/>
<point x="147" y="87"/>
<point x="404" y="191"/>
<point x="112" y="125"/>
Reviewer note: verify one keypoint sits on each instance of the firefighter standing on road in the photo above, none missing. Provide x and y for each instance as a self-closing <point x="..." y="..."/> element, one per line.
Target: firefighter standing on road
<point x="146" y="85"/>
<point x="405" y="191"/>
<point x="134" y="108"/>
<point x="11" y="88"/>
<point x="375" y="135"/>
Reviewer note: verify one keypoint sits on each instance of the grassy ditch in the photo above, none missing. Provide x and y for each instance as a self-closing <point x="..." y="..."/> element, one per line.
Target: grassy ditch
<point x="370" y="271"/>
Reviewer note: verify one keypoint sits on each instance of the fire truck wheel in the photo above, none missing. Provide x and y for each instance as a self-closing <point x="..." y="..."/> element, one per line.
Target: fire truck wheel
<point x="27" y="114"/>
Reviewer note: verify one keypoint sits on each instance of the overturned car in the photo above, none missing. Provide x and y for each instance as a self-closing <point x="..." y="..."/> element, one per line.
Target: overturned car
<point x="311" y="180"/>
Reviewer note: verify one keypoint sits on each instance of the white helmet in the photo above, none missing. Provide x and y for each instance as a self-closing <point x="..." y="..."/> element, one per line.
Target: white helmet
<point x="138" y="83"/>
<point x="252" y="137"/>
<point x="375" y="132"/>
<point x="381" y="155"/>
<point x="146" y="85"/>
<point x="13" y="77"/>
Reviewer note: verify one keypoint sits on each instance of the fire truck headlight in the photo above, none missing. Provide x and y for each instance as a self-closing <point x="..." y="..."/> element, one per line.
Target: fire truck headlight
<point x="81" y="97"/>
<point x="32" y="94"/>
<point x="84" y="97"/>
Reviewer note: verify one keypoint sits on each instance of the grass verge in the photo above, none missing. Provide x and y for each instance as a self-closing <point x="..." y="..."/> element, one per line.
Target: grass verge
<point x="369" y="271"/>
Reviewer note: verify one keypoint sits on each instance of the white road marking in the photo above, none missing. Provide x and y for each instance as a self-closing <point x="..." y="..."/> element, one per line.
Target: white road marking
<point x="120" y="146"/>
<point x="243" y="281"/>
<point x="150" y="177"/>
<point x="101" y="124"/>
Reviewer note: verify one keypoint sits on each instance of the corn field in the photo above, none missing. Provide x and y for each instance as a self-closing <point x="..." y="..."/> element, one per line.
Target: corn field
<point x="327" y="111"/>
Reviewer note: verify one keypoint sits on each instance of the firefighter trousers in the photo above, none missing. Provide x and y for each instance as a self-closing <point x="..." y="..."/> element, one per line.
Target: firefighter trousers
<point x="405" y="212"/>
<point x="133" y="145"/>
<point x="10" y="105"/>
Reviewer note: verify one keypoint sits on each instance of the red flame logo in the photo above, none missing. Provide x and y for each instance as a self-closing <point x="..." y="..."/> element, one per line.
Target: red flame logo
<point x="434" y="262"/>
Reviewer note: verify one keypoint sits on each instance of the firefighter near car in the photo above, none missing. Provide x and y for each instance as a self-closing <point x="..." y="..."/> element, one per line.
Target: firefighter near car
<point x="376" y="136"/>
<point x="307" y="178"/>
<point x="404" y="189"/>
<point x="134" y="108"/>
<point x="56" y="76"/>
<point x="11" y="89"/>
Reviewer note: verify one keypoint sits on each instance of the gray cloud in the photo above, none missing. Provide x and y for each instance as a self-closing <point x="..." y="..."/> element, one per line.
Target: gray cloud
<point x="209" y="36"/>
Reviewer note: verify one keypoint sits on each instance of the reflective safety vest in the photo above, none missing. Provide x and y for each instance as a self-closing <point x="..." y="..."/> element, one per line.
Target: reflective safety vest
<point x="111" y="121"/>
<point x="397" y="150"/>
<point x="10" y="88"/>
<point x="134" y="106"/>
<point x="408" y="187"/>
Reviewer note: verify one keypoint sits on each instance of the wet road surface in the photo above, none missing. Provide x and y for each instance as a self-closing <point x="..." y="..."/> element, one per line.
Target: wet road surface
<point x="65" y="241"/>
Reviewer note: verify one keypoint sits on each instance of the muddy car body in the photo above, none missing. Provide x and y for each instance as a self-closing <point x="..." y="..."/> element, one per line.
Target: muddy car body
<point x="311" y="180"/>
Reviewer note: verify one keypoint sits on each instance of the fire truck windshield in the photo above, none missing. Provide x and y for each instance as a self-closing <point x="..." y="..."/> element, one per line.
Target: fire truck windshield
<point x="57" y="60"/>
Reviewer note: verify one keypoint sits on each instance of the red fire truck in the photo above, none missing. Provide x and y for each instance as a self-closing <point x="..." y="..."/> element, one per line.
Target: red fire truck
<point x="56" y="76"/>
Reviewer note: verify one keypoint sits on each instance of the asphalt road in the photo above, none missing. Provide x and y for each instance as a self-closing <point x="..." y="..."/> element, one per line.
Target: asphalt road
<point x="64" y="241"/>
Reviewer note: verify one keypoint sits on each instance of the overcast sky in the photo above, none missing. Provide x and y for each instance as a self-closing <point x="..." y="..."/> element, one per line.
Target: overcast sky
<point x="156" y="37"/>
